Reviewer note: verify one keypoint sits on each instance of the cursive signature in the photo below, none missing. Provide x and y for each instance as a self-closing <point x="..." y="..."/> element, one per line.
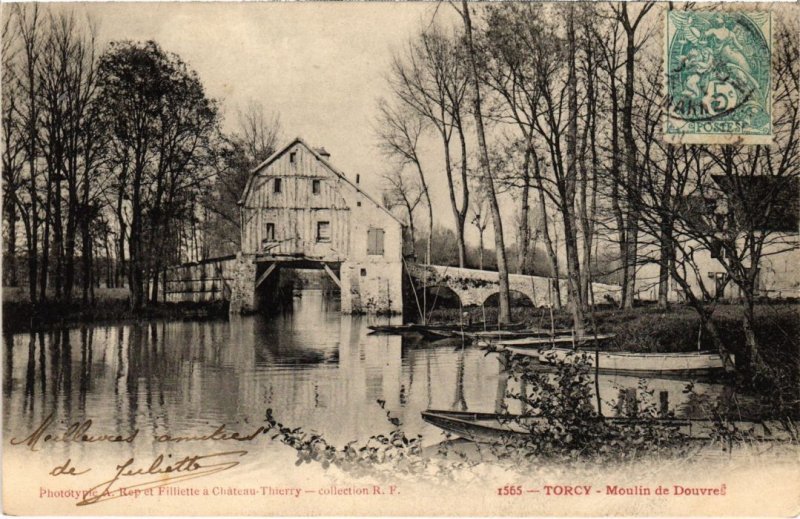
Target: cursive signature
<point x="219" y="434"/>
<point x="81" y="432"/>
<point x="76" y="432"/>
<point x="190" y="467"/>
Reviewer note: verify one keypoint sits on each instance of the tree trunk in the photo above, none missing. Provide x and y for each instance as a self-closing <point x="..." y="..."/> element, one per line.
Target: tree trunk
<point x="72" y="231"/>
<point x="109" y="274"/>
<point x="11" y="245"/>
<point x="154" y="288"/>
<point x="615" y="183"/>
<point x="462" y="213"/>
<point x="568" y="202"/>
<point x="30" y="45"/>
<point x="588" y="205"/>
<point x="136" y="265"/>
<point x="480" y="251"/>
<point x="504" y="315"/>
<point x="524" y="216"/>
<point x="448" y="168"/>
<point x="754" y="361"/>
<point x="86" y="259"/>
<point x="58" y="237"/>
<point x="665" y="232"/>
<point x="428" y="241"/>
<point x="45" y="266"/>
<point x="573" y="273"/>
<point x="552" y="257"/>
<point x="120" y="273"/>
<point x="632" y="177"/>
<point x="411" y="230"/>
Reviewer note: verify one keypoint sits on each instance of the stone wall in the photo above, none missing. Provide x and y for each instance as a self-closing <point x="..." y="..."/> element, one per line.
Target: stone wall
<point x="205" y="281"/>
<point x="243" y="292"/>
<point x="372" y="287"/>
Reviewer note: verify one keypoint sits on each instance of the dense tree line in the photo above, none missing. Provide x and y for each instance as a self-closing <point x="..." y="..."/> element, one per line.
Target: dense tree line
<point x="114" y="164"/>
<point x="565" y="106"/>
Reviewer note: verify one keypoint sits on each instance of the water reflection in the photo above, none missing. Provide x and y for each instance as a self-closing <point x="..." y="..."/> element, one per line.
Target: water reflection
<point x="313" y="367"/>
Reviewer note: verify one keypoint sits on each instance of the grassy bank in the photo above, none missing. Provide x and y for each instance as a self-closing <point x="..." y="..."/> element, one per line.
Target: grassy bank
<point x="651" y="329"/>
<point x="25" y="316"/>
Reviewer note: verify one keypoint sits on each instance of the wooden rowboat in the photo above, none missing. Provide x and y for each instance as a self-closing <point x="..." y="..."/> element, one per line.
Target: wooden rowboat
<point x="539" y="342"/>
<point x="514" y="334"/>
<point x="494" y="427"/>
<point x="641" y="364"/>
<point x="477" y="427"/>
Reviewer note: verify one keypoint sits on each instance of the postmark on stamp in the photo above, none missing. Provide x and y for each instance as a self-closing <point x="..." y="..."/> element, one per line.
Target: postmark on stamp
<point x="718" y="82"/>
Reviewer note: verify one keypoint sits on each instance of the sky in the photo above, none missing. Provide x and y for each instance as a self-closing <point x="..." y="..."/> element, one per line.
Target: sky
<point x="322" y="67"/>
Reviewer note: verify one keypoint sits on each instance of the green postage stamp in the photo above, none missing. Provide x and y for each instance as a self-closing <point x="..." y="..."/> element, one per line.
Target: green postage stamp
<point x="718" y="84"/>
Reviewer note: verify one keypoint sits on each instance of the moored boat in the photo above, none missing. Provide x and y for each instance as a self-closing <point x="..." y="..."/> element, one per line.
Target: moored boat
<point x="498" y="427"/>
<point x="440" y="330"/>
<point x="514" y="334"/>
<point x="539" y="342"/>
<point x="642" y="364"/>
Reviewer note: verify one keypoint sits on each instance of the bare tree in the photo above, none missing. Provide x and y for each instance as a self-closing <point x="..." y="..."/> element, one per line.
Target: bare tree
<point x="403" y="192"/>
<point x="504" y="313"/>
<point x="630" y="26"/>
<point x="258" y="132"/>
<point x="512" y="64"/>
<point x="255" y="138"/>
<point x="13" y="153"/>
<point x="479" y="212"/>
<point x="28" y="23"/>
<point x="398" y="131"/>
<point x="431" y="79"/>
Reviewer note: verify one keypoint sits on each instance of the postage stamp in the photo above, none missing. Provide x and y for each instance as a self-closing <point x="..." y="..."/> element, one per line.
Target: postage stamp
<point x="718" y="82"/>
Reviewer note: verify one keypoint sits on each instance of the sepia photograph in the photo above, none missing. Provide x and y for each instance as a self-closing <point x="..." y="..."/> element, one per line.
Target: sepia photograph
<point x="400" y="258"/>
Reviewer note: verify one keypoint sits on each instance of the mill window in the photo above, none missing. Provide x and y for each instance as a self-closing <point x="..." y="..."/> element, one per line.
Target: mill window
<point x="375" y="242"/>
<point x="276" y="186"/>
<point x="323" y="232"/>
<point x="316" y="186"/>
<point x="270" y="234"/>
<point x="292" y="157"/>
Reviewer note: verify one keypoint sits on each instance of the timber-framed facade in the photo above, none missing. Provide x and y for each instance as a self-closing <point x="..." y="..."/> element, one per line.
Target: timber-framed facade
<point x="297" y="209"/>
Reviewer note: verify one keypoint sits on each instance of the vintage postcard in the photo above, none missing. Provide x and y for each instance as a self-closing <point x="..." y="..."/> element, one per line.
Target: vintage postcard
<point x="420" y="259"/>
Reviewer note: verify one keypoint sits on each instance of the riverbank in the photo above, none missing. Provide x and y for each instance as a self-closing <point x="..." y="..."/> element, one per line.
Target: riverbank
<point x="21" y="316"/>
<point x="677" y="329"/>
<point x="652" y="329"/>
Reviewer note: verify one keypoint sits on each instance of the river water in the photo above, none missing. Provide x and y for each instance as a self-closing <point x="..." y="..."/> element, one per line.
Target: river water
<point x="314" y="367"/>
<point x="317" y="370"/>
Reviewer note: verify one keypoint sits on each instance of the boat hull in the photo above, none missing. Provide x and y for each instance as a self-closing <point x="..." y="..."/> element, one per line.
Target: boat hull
<point x="493" y="427"/>
<point x="642" y="364"/>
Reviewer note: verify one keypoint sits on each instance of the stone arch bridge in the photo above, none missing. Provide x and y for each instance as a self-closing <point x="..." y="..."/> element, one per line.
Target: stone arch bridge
<point x="232" y="279"/>
<point x="473" y="287"/>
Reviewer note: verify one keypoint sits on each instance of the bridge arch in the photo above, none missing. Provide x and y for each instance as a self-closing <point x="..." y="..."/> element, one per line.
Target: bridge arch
<point x="441" y="295"/>
<point x="517" y="298"/>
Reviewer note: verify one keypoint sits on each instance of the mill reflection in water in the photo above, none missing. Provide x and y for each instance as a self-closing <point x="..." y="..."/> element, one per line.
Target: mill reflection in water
<point x="314" y="367"/>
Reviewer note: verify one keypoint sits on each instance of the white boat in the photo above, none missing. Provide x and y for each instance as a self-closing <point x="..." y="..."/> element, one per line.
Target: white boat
<point x="538" y="342"/>
<point x="692" y="363"/>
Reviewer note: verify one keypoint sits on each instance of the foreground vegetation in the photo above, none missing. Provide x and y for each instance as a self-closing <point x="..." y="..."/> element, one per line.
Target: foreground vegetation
<point x="679" y="329"/>
<point x="569" y="430"/>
